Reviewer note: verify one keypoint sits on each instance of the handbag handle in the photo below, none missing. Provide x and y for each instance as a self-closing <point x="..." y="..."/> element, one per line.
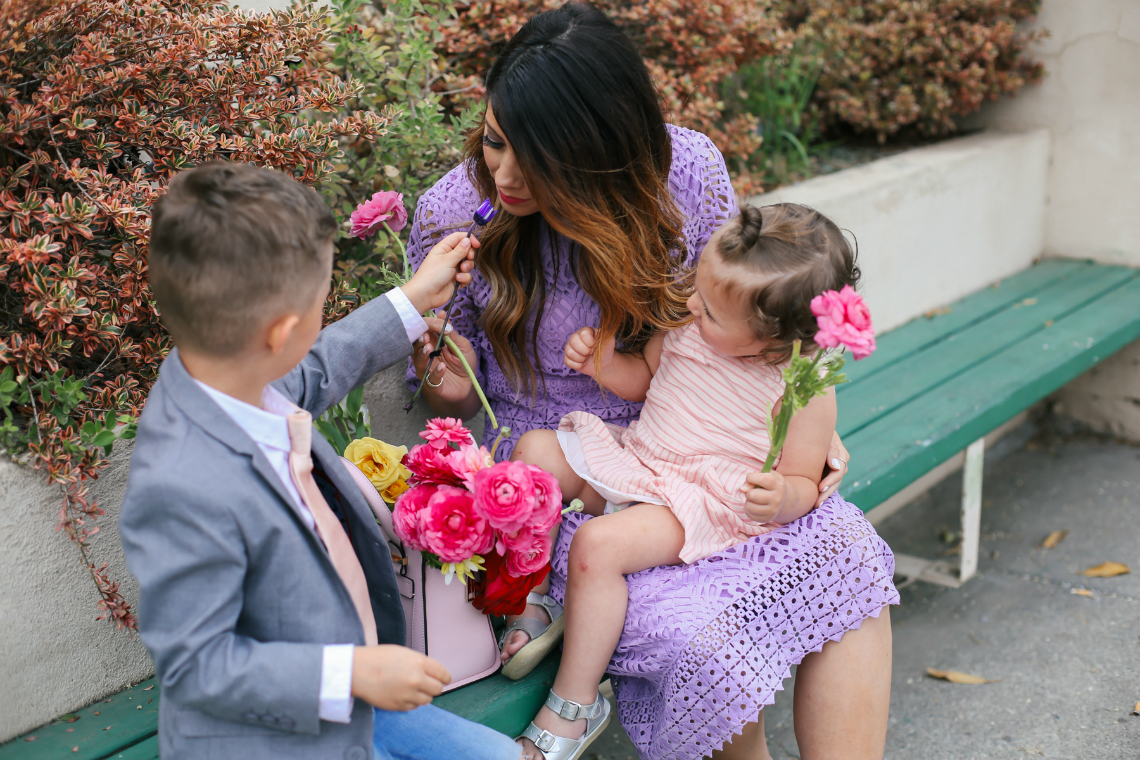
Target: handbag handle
<point x="378" y="505"/>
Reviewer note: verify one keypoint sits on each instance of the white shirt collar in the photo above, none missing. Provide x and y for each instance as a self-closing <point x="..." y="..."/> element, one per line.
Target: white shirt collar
<point x="266" y="424"/>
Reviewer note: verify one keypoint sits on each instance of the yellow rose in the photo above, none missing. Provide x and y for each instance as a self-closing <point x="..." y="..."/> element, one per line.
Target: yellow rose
<point x="393" y="491"/>
<point x="380" y="462"/>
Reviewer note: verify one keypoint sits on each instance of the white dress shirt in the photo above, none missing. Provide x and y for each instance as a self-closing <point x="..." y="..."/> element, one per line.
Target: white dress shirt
<point x="269" y="429"/>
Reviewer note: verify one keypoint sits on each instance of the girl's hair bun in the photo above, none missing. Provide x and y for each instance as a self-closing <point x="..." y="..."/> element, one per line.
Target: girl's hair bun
<point x="751" y="225"/>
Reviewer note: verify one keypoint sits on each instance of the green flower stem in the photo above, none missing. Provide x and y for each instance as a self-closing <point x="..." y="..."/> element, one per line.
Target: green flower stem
<point x="800" y="387"/>
<point x="403" y="251"/>
<point x="474" y="380"/>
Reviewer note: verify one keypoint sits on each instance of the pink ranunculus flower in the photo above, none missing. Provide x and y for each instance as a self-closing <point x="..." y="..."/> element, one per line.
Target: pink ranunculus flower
<point x="407" y="515"/>
<point x="547" y="501"/>
<point x="452" y="529"/>
<point x="530" y="559"/>
<point x="844" y="319"/>
<point x="504" y="494"/>
<point x="444" y="430"/>
<point x="430" y="465"/>
<point x="384" y="206"/>
<point x="468" y="460"/>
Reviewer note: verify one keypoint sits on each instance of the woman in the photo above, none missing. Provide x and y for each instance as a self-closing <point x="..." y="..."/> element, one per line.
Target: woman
<point x="604" y="203"/>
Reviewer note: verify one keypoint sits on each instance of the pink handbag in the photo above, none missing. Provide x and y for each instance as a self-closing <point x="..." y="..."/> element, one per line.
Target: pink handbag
<point x="441" y="622"/>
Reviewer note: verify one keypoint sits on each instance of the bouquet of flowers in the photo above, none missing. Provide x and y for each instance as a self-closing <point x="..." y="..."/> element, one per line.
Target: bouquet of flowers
<point x="470" y="517"/>
<point x="844" y="322"/>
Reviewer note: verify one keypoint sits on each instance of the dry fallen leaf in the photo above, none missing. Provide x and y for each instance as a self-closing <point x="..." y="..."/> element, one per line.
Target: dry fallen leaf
<point x="953" y="676"/>
<point x="937" y="312"/>
<point x="1053" y="539"/>
<point x="33" y="738"/>
<point x="152" y="685"/>
<point x="1107" y="570"/>
<point x="1082" y="592"/>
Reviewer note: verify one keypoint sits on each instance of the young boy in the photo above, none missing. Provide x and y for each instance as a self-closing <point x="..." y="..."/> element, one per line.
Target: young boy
<point x="273" y="620"/>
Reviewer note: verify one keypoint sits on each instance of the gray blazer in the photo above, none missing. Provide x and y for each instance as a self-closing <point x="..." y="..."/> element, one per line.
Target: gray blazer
<point x="238" y="595"/>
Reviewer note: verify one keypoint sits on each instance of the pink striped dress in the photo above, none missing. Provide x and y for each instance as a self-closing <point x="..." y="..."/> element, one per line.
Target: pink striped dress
<point x="701" y="432"/>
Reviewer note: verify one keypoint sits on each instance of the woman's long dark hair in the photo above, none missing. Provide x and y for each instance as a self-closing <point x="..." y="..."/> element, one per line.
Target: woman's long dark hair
<point x="575" y="100"/>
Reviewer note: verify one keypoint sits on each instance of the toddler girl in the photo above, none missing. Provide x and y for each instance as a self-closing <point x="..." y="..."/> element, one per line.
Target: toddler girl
<point x="683" y="481"/>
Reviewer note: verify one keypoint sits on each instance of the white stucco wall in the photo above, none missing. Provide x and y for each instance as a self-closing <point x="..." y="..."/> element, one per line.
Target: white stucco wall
<point x="56" y="656"/>
<point x="936" y="223"/>
<point x="1090" y="102"/>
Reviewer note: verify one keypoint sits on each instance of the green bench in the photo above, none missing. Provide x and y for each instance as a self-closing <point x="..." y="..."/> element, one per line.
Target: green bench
<point x="935" y="387"/>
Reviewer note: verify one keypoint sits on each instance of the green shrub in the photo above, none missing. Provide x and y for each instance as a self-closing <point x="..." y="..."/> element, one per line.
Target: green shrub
<point x="389" y="52"/>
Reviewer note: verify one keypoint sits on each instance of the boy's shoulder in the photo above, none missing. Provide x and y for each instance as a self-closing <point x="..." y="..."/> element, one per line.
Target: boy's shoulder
<point x="177" y="460"/>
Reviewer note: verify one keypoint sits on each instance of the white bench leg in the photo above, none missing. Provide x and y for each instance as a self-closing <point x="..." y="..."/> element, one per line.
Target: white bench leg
<point x="940" y="572"/>
<point x="971" y="509"/>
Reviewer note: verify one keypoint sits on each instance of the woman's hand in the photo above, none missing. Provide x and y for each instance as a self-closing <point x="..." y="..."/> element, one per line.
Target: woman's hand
<point x="837" y="459"/>
<point x="446" y="267"/>
<point x="580" y="349"/>
<point x="448" y="381"/>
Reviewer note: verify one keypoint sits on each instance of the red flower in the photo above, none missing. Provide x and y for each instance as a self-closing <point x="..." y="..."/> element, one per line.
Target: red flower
<point x="497" y="592"/>
<point x="529" y="555"/>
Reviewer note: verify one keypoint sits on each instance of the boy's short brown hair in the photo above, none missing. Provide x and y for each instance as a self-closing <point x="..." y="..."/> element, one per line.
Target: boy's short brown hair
<point x="230" y="245"/>
<point x="802" y="253"/>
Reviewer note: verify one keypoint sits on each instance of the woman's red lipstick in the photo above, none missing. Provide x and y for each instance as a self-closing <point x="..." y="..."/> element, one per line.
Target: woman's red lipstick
<point x="511" y="201"/>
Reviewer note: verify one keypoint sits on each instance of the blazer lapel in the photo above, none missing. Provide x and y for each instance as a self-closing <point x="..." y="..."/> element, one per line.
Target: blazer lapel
<point x="213" y="420"/>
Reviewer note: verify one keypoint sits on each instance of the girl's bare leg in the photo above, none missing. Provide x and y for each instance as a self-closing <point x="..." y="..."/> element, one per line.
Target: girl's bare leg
<point x="750" y="745"/>
<point x="541" y="448"/>
<point x="843" y="695"/>
<point x="604" y="551"/>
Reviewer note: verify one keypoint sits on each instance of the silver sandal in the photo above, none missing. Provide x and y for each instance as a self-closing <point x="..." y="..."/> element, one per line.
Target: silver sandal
<point x="554" y="747"/>
<point x="543" y="636"/>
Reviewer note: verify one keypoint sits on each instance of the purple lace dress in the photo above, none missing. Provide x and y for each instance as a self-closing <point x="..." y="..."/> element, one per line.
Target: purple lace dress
<point x="705" y="646"/>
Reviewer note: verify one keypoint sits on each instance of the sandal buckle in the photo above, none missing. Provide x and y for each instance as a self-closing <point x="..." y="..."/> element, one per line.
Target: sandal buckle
<point x="570" y="710"/>
<point x="545" y="741"/>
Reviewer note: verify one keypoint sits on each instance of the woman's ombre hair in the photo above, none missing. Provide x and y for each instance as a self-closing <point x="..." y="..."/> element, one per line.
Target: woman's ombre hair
<point x="575" y="101"/>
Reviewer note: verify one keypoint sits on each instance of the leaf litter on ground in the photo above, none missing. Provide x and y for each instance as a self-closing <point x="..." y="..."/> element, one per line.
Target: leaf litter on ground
<point x="1053" y="539"/>
<point x="1083" y="592"/>
<point x="1106" y="570"/>
<point x="954" y="676"/>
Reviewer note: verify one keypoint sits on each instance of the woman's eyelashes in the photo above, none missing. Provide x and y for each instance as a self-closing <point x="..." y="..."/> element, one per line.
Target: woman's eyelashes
<point x="492" y="144"/>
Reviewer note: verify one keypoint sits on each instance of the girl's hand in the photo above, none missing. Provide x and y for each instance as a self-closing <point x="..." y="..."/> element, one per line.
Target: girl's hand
<point x="837" y="459"/>
<point x="446" y="267"/>
<point x="766" y="493"/>
<point x="580" y="350"/>
<point x="453" y="383"/>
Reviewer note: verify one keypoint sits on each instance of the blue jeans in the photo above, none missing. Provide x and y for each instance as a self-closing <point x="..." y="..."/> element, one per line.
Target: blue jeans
<point x="431" y="733"/>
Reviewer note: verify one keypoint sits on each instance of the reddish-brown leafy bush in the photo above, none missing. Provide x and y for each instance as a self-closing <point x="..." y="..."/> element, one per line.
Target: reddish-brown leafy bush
<point x="101" y="102"/>
<point x="690" y="46"/>
<point x="893" y="64"/>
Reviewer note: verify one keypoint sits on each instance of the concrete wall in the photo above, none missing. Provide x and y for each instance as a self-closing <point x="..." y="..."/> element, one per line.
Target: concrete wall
<point x="936" y="223"/>
<point x="1090" y="102"/>
<point x="56" y="656"/>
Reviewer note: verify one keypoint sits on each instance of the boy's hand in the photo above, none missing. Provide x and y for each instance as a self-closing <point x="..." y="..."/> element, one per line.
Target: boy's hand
<point x="580" y="350"/>
<point x="447" y="266"/>
<point x="396" y="678"/>
<point x="766" y="495"/>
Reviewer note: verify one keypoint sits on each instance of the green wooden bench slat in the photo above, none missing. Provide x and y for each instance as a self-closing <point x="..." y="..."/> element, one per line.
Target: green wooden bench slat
<point x="147" y="749"/>
<point x="119" y="725"/>
<point x="922" y="332"/>
<point x="504" y="705"/>
<point x="928" y="368"/>
<point x="898" y="448"/>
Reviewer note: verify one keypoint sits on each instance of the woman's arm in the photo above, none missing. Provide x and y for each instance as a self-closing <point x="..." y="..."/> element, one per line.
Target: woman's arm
<point x="791" y="491"/>
<point x="625" y="375"/>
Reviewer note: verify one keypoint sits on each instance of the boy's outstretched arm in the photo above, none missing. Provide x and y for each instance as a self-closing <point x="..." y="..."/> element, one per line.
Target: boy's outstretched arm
<point x="373" y="337"/>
